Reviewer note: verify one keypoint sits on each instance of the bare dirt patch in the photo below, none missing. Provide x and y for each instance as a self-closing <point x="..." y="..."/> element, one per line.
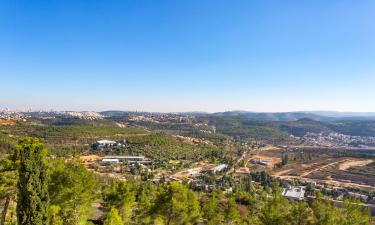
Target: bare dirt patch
<point x="7" y="122"/>
<point x="321" y="167"/>
<point x="282" y="172"/>
<point x="351" y="163"/>
<point x="269" y="148"/>
<point x="90" y="158"/>
<point x="333" y="171"/>
<point x="272" y="161"/>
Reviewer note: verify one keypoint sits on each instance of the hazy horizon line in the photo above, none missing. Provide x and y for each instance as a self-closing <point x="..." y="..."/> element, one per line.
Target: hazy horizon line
<point x="191" y="111"/>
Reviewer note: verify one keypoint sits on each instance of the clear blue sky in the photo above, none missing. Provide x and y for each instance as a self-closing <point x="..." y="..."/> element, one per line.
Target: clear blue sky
<point x="187" y="55"/>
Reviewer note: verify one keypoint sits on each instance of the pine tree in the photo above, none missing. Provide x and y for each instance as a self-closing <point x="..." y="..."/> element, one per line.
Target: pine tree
<point x="231" y="213"/>
<point x="211" y="211"/>
<point x="113" y="218"/>
<point x="301" y="214"/>
<point x="275" y="210"/>
<point x="178" y="205"/>
<point x="33" y="201"/>
<point x="8" y="185"/>
<point x="325" y="212"/>
<point x="72" y="189"/>
<point x="356" y="213"/>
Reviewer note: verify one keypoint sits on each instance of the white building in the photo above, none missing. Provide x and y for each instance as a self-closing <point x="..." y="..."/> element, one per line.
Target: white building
<point x="126" y="158"/>
<point x="219" y="168"/>
<point x="105" y="143"/>
<point x="294" y="193"/>
<point x="110" y="161"/>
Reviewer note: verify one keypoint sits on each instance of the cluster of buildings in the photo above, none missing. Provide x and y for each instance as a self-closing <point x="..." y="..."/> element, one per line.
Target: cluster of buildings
<point x="129" y="160"/>
<point x="299" y="193"/>
<point x="338" y="140"/>
<point x="161" y="117"/>
<point x="198" y="171"/>
<point x="88" y="115"/>
<point x="117" y="160"/>
<point x="24" y="114"/>
<point x="108" y="145"/>
<point x="12" y="114"/>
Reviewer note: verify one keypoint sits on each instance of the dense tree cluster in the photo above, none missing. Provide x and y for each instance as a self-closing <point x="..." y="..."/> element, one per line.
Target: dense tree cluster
<point x="162" y="148"/>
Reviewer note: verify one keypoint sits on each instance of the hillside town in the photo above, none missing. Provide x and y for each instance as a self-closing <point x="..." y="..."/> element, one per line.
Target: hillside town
<point x="337" y="140"/>
<point x="25" y="114"/>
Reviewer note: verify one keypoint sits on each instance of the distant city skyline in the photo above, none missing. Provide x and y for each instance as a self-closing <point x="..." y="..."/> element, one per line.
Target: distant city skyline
<point x="183" y="56"/>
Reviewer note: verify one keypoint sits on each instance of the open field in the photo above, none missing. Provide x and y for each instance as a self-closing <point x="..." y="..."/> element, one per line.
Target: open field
<point x="334" y="171"/>
<point x="271" y="161"/>
<point x="321" y="165"/>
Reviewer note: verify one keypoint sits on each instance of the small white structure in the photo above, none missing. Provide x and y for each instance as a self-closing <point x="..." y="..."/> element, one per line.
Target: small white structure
<point x="260" y="161"/>
<point x="294" y="193"/>
<point x="110" y="161"/>
<point x="219" y="168"/>
<point x="126" y="158"/>
<point x="105" y="143"/>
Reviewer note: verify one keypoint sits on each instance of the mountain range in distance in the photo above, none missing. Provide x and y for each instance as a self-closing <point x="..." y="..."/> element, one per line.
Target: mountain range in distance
<point x="273" y="116"/>
<point x="293" y="116"/>
<point x="249" y="115"/>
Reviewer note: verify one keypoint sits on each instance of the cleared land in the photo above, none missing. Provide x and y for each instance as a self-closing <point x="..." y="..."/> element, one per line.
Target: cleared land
<point x="271" y="161"/>
<point x="7" y="122"/>
<point x="352" y="163"/>
<point x="333" y="171"/>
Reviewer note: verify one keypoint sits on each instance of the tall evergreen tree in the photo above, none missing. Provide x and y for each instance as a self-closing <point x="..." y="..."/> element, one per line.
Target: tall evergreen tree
<point x="211" y="211"/>
<point x="33" y="200"/>
<point x="113" y="218"/>
<point x="231" y="213"/>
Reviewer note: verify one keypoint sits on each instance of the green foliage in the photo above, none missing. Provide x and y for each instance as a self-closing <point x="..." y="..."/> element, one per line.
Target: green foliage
<point x="301" y="214"/>
<point x="121" y="195"/>
<point x="162" y="148"/>
<point x="8" y="184"/>
<point x="241" y="128"/>
<point x="355" y="213"/>
<point x="325" y="212"/>
<point x="275" y="210"/>
<point x="113" y="218"/>
<point x="7" y="144"/>
<point x="177" y="205"/>
<point x="72" y="190"/>
<point x="33" y="199"/>
<point x="211" y="210"/>
<point x="63" y="137"/>
<point x="8" y="175"/>
<point x="231" y="213"/>
<point x="55" y="219"/>
<point x="354" y="127"/>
